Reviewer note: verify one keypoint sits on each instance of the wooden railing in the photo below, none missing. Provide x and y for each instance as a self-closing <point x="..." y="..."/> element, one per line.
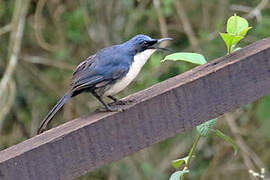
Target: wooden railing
<point x="159" y="112"/>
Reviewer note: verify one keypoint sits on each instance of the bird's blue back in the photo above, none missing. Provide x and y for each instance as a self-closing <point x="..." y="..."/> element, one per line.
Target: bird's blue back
<point x="108" y="64"/>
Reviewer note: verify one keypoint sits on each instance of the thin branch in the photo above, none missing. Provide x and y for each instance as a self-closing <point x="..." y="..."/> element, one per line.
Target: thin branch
<point x="187" y="25"/>
<point x="252" y="12"/>
<point x="5" y="29"/>
<point x="248" y="155"/>
<point x="35" y="118"/>
<point x="162" y="22"/>
<point x="256" y="12"/>
<point x="56" y="13"/>
<point x="48" y="62"/>
<point x="161" y="19"/>
<point x="177" y="150"/>
<point x="18" y="22"/>
<point x="7" y="101"/>
<point x="242" y="8"/>
<point x="37" y="26"/>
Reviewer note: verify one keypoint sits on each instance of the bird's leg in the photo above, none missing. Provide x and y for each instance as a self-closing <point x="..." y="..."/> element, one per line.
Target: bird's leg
<point x="107" y="107"/>
<point x="113" y="98"/>
<point x="119" y="102"/>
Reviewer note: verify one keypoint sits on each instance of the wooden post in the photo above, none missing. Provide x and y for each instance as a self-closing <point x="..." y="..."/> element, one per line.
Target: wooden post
<point x="160" y="112"/>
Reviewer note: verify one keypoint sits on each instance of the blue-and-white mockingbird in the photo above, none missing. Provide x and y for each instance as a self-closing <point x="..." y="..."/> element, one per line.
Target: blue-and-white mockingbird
<point x="108" y="72"/>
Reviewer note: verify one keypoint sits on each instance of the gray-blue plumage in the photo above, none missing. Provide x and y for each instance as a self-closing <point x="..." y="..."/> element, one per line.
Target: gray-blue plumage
<point x="108" y="71"/>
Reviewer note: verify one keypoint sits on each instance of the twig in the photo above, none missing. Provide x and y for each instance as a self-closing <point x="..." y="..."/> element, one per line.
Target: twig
<point x="7" y="101"/>
<point x="242" y="8"/>
<point x="35" y="116"/>
<point x="162" y="21"/>
<point x="190" y="154"/>
<point x="18" y="22"/>
<point x="37" y="27"/>
<point x="5" y="29"/>
<point x="56" y="13"/>
<point x="187" y="25"/>
<point x="48" y="62"/>
<point x="248" y="154"/>
<point x="235" y="130"/>
<point x="256" y="12"/>
<point x="252" y="12"/>
<point x="180" y="148"/>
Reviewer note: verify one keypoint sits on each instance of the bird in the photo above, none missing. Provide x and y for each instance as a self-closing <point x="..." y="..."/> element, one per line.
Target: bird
<point x="108" y="72"/>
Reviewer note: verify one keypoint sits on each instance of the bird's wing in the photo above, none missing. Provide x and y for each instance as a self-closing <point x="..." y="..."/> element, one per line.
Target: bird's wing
<point x="87" y="83"/>
<point x="84" y="65"/>
<point x="84" y="75"/>
<point x="97" y="72"/>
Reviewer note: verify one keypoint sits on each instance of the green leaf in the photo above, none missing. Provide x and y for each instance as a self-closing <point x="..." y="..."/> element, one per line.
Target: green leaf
<point x="228" y="139"/>
<point x="178" y="162"/>
<point x="244" y="31"/>
<point x="230" y="40"/>
<point x="205" y="128"/>
<point x="176" y="175"/>
<point x="237" y="28"/>
<point x="187" y="57"/>
<point x="236" y="25"/>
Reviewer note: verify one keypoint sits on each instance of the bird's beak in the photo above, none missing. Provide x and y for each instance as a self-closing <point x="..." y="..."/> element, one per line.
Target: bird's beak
<point x="156" y="43"/>
<point x="163" y="39"/>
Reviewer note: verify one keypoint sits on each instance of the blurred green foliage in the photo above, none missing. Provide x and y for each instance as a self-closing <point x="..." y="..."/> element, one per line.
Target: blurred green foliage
<point x="73" y="30"/>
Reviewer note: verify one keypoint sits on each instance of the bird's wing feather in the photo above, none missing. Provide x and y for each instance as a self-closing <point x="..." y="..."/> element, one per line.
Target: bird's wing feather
<point x="83" y="66"/>
<point x="87" y="83"/>
<point x="85" y="74"/>
<point x="98" y="71"/>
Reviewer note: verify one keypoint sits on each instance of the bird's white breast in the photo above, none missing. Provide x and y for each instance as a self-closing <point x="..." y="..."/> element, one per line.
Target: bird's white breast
<point x="139" y="60"/>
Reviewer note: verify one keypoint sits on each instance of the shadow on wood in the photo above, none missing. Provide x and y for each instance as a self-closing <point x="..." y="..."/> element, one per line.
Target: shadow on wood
<point x="160" y="112"/>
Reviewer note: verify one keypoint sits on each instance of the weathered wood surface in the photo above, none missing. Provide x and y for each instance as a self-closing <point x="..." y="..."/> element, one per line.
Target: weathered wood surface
<point x="160" y="112"/>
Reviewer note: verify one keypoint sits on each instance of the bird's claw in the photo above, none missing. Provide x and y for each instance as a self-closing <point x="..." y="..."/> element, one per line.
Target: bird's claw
<point x="109" y="109"/>
<point x="120" y="102"/>
<point x="115" y="109"/>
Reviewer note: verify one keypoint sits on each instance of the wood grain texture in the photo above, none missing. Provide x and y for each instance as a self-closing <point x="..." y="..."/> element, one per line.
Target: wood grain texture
<point x="160" y="112"/>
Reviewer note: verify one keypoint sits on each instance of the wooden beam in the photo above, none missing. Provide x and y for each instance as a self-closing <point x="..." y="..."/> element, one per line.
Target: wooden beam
<point x="161" y="111"/>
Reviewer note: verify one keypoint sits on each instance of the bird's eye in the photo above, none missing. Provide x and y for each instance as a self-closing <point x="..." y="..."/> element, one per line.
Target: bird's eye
<point x="144" y="43"/>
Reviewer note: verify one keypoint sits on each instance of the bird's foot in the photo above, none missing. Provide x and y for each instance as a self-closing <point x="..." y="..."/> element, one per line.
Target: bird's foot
<point x="109" y="109"/>
<point x="120" y="102"/>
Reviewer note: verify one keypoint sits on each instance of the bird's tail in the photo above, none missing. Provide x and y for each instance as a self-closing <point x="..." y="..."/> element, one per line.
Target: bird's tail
<point x="53" y="111"/>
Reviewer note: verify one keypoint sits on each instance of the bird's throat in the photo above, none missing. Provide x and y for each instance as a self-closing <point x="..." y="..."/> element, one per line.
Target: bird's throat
<point x="139" y="60"/>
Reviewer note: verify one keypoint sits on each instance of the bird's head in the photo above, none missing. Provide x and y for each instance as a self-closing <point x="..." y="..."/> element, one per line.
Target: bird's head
<point x="142" y="42"/>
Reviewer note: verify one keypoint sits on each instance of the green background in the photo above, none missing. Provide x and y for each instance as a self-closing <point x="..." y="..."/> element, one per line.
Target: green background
<point x="69" y="31"/>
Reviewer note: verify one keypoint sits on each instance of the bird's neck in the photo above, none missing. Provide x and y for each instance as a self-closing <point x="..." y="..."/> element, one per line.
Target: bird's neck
<point x="141" y="58"/>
